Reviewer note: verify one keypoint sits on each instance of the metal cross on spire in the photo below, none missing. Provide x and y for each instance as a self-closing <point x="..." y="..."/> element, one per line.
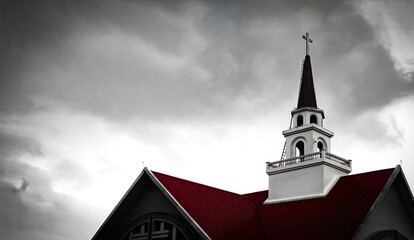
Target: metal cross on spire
<point x="308" y="40"/>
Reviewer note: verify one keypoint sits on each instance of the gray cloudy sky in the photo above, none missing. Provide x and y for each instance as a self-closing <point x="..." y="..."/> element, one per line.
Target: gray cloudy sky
<point x="91" y="91"/>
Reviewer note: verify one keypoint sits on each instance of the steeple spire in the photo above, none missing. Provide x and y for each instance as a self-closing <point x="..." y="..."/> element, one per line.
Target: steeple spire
<point x="307" y="97"/>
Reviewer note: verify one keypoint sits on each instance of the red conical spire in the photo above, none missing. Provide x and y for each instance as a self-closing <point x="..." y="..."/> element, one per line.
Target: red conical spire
<point x="307" y="97"/>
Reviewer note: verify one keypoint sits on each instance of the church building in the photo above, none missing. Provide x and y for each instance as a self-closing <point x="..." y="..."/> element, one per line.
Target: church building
<point x="310" y="196"/>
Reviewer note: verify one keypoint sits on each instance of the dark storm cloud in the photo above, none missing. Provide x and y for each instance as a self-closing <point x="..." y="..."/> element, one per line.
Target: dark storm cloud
<point x="356" y="66"/>
<point x="28" y="215"/>
<point x="29" y="206"/>
<point x="15" y="214"/>
<point x="104" y="56"/>
<point x="401" y="12"/>
<point x="13" y="144"/>
<point x="66" y="52"/>
<point x="348" y="57"/>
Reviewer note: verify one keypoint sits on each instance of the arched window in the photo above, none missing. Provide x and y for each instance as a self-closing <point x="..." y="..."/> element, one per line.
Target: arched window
<point x="300" y="148"/>
<point x="386" y="235"/>
<point x="299" y="121"/>
<point x="159" y="226"/>
<point x="320" y="146"/>
<point x="314" y="119"/>
<point x="159" y="230"/>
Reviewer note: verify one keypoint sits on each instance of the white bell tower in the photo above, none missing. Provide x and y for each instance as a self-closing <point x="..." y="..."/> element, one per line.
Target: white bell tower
<point x="306" y="169"/>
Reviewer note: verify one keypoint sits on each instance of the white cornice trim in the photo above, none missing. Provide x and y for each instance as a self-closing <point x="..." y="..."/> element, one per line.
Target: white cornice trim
<point x="308" y="109"/>
<point x="306" y="128"/>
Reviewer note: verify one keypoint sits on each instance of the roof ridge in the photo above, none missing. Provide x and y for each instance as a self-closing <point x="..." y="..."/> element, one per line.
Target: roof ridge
<point x="261" y="191"/>
<point x="369" y="172"/>
<point x="201" y="184"/>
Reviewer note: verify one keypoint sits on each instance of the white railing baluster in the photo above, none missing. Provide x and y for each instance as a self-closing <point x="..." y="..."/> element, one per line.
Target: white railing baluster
<point x="316" y="155"/>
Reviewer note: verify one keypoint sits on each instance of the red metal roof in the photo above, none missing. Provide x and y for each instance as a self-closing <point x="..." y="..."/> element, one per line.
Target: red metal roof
<point x="225" y="215"/>
<point x="221" y="214"/>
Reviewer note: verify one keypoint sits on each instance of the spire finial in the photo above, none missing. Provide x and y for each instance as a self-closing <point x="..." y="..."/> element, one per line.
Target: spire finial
<point x="308" y="40"/>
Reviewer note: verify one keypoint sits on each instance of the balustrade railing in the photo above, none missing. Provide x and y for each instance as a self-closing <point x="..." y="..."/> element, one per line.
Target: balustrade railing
<point x="338" y="159"/>
<point x="308" y="157"/>
<point x="291" y="161"/>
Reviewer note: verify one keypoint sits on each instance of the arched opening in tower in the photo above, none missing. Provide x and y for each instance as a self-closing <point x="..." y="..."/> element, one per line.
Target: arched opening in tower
<point x="299" y="121"/>
<point x="320" y="146"/>
<point x="314" y="119"/>
<point x="300" y="149"/>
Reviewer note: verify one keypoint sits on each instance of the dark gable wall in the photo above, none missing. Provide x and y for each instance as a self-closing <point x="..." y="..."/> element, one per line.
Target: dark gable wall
<point x="395" y="212"/>
<point x="143" y="199"/>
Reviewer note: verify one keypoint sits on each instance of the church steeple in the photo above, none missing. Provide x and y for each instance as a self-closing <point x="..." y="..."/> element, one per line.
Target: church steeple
<point x="307" y="96"/>
<point x="307" y="168"/>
